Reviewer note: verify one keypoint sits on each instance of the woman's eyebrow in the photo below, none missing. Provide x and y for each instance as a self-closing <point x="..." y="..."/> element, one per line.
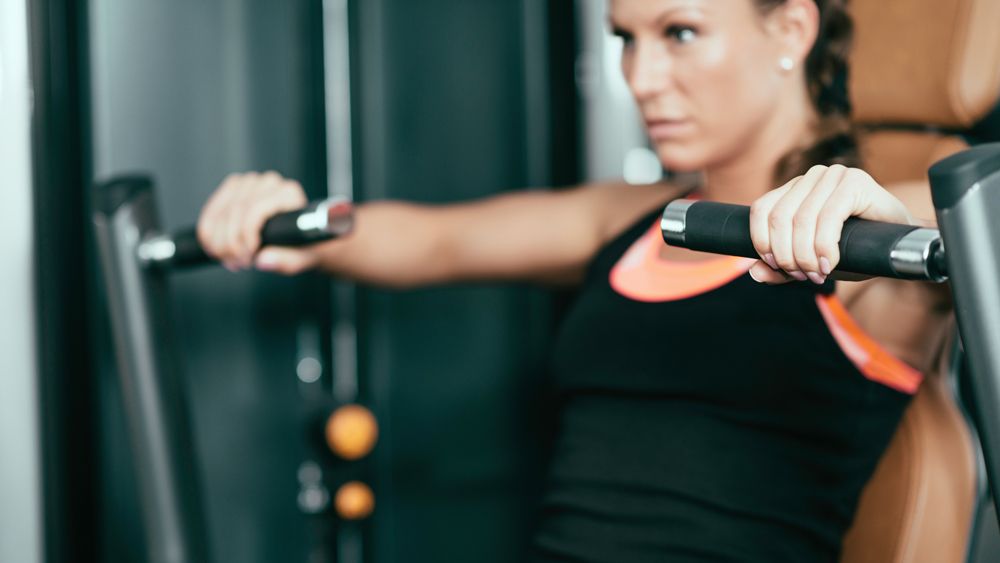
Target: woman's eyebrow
<point x="664" y="15"/>
<point x="688" y="7"/>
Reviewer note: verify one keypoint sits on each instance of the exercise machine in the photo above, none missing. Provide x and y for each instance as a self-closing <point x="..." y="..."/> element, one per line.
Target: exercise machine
<point x="136" y="259"/>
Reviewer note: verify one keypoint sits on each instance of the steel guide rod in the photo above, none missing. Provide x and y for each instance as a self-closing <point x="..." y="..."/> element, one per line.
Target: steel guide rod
<point x="155" y="403"/>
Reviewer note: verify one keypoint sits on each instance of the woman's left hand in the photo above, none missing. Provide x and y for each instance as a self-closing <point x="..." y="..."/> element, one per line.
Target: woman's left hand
<point x="796" y="228"/>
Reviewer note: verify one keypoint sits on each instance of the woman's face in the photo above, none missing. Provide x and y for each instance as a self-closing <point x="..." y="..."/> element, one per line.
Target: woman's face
<point x="705" y="73"/>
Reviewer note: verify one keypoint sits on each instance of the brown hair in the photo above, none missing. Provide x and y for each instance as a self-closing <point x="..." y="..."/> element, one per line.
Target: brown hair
<point x="826" y="77"/>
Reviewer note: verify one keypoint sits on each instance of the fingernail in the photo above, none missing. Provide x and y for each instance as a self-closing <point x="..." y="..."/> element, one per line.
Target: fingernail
<point x="798" y="275"/>
<point x="753" y="277"/>
<point x="824" y="266"/>
<point x="769" y="260"/>
<point x="816" y="278"/>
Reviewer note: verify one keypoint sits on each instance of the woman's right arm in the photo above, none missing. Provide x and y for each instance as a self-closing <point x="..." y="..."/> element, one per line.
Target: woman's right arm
<point x="538" y="235"/>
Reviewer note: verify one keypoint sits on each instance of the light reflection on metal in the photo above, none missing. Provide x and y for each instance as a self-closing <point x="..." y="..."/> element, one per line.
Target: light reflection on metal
<point x="673" y="224"/>
<point x="313" y="496"/>
<point x="309" y="370"/>
<point x="337" y="87"/>
<point x="340" y="182"/>
<point x="912" y="254"/>
<point x="156" y="249"/>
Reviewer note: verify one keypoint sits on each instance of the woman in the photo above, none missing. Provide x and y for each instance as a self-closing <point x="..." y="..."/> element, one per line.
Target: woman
<point x="705" y="416"/>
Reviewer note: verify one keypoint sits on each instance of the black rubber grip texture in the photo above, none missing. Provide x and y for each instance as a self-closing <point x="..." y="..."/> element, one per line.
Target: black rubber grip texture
<point x="722" y="228"/>
<point x="280" y="230"/>
<point x="188" y="250"/>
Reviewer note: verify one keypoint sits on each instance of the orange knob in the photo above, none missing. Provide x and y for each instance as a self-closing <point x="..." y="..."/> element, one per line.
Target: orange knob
<point x="351" y="432"/>
<point x="354" y="501"/>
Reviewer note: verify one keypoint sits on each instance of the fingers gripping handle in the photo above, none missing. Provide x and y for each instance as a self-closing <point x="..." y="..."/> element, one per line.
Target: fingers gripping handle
<point x="317" y="222"/>
<point x="868" y="248"/>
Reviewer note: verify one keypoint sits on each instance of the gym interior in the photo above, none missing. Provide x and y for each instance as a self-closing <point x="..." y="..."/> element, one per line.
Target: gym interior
<point x="185" y="412"/>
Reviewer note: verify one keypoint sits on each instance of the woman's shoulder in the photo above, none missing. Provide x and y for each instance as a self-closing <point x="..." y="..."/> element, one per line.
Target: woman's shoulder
<point x="908" y="318"/>
<point x="618" y="205"/>
<point x="916" y="196"/>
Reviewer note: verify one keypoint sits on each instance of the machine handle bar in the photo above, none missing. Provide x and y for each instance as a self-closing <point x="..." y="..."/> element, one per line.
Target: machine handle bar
<point x="867" y="248"/>
<point x="317" y="222"/>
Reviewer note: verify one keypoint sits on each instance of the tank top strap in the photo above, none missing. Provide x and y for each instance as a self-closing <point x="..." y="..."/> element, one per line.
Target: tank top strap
<point x="606" y="257"/>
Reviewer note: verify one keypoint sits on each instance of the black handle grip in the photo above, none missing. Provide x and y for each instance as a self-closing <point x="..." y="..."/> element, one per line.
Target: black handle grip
<point x="317" y="222"/>
<point x="188" y="251"/>
<point x="868" y="248"/>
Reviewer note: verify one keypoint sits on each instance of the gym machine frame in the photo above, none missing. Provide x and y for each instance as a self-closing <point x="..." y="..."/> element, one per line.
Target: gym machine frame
<point x="136" y="259"/>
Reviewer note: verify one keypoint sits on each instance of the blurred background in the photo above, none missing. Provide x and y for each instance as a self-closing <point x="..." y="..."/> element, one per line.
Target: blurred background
<point x="433" y="101"/>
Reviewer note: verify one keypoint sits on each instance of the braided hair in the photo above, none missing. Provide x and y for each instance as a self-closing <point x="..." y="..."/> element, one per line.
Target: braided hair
<point x="826" y="78"/>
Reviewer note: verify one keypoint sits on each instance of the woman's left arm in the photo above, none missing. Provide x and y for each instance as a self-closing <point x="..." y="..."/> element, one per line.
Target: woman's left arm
<point x="796" y="228"/>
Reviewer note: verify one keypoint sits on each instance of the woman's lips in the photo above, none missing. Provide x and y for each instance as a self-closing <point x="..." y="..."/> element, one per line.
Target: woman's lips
<point x="663" y="129"/>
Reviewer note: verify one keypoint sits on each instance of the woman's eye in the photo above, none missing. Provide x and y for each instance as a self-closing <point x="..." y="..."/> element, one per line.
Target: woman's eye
<point x="681" y="33"/>
<point x="626" y="38"/>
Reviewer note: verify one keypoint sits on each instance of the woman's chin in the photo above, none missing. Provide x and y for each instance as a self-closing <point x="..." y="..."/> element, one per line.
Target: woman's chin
<point x="679" y="158"/>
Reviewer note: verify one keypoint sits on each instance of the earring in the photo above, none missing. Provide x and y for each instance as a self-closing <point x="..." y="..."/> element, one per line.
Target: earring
<point x="786" y="63"/>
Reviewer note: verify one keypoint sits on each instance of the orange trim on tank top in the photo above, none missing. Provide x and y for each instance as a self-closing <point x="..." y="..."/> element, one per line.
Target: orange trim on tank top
<point x="874" y="361"/>
<point x="641" y="275"/>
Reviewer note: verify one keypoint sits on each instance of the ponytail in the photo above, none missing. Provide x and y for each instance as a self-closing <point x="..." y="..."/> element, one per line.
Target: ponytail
<point x="826" y="71"/>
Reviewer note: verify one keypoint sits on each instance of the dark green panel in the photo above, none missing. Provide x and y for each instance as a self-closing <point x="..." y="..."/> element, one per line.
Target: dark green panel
<point x="456" y="373"/>
<point x="455" y="98"/>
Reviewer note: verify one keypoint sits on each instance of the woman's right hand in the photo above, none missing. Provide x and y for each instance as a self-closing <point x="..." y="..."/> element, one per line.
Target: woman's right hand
<point x="231" y="221"/>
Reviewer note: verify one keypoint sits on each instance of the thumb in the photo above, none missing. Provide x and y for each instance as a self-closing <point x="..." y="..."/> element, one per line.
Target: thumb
<point x="284" y="260"/>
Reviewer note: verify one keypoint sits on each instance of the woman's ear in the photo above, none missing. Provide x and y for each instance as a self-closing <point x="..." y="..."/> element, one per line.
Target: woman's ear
<point x="795" y="25"/>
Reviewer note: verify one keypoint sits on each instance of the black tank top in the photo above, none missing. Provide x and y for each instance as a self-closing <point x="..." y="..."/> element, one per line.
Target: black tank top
<point x="726" y="424"/>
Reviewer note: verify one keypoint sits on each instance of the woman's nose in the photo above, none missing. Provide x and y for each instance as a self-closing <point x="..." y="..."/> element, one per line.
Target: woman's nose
<point x="648" y="71"/>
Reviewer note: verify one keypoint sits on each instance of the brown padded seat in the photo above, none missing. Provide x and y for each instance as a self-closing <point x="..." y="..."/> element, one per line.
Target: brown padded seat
<point x="925" y="61"/>
<point x="919" y="505"/>
<point x="929" y="63"/>
<point x="899" y="157"/>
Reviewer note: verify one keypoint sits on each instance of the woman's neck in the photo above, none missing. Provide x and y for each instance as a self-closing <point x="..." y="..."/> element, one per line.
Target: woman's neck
<point x="741" y="181"/>
<point x="750" y="174"/>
